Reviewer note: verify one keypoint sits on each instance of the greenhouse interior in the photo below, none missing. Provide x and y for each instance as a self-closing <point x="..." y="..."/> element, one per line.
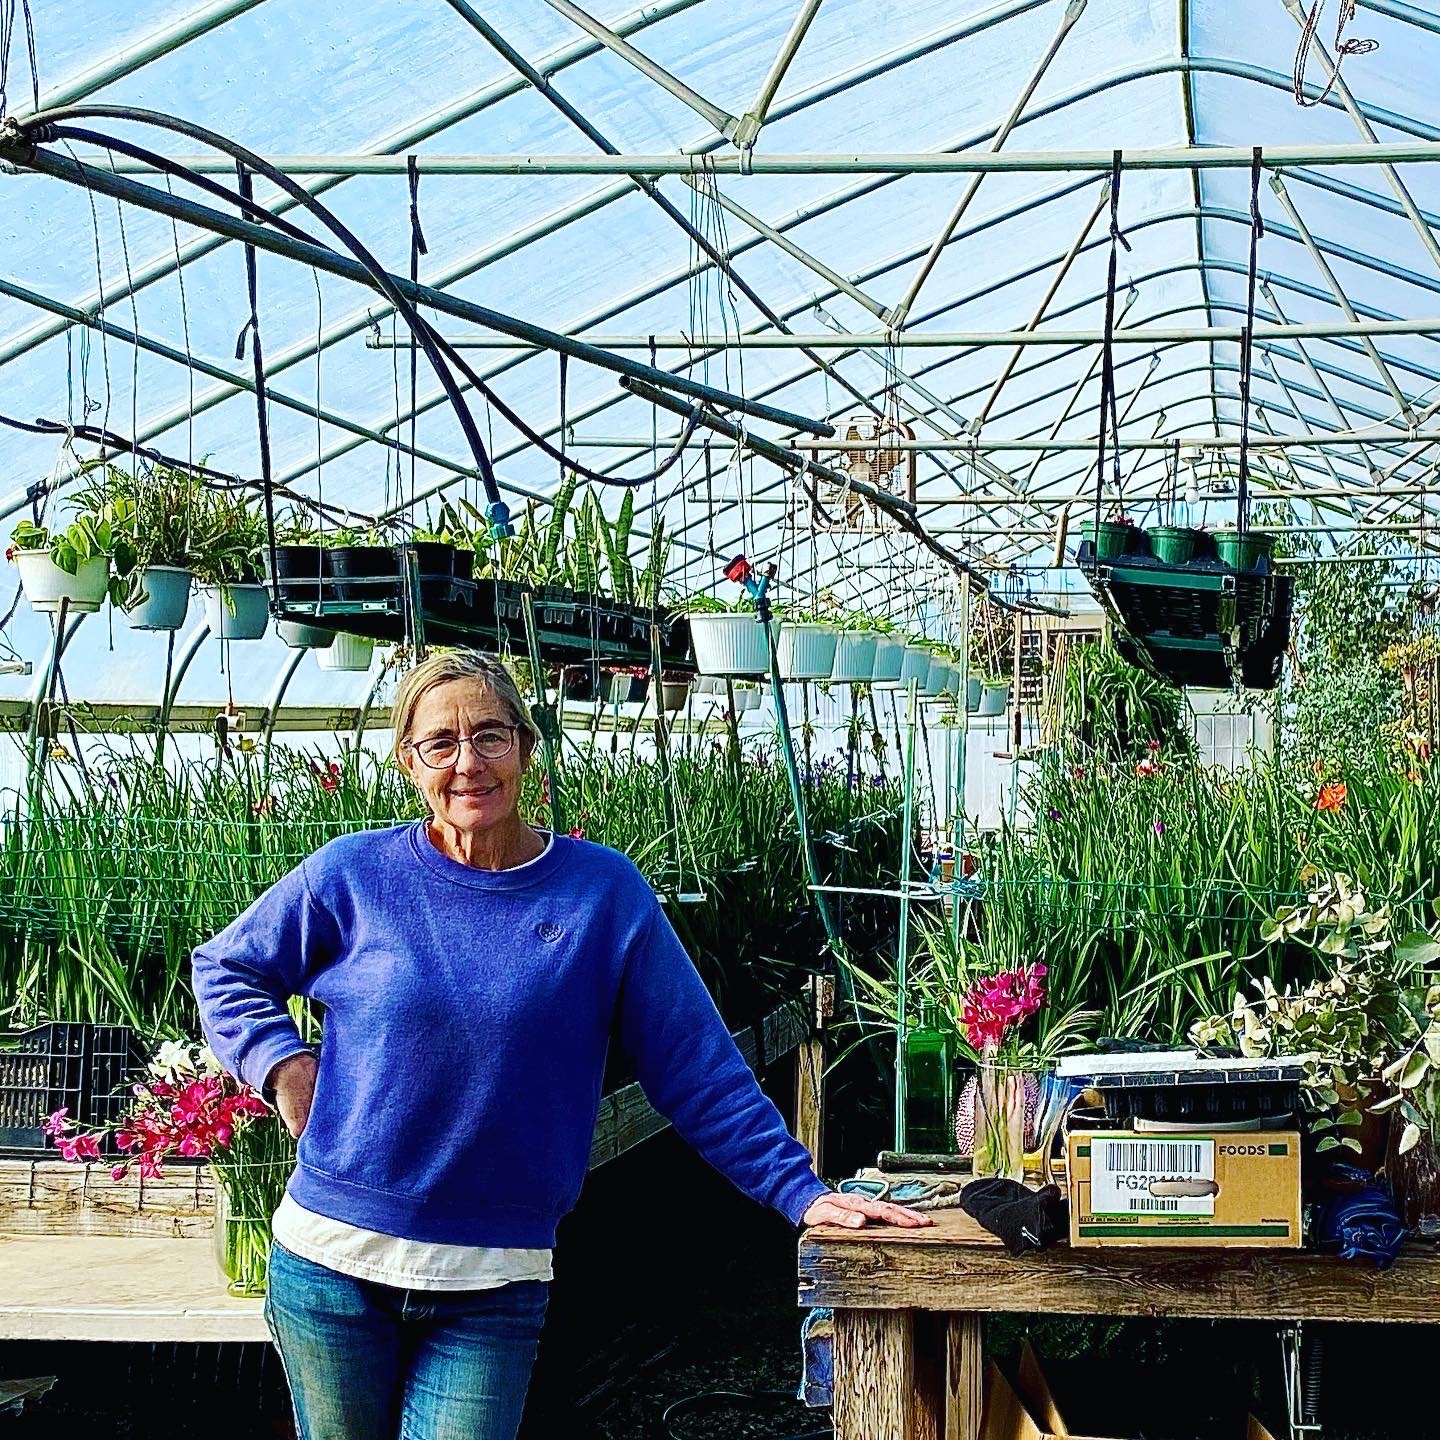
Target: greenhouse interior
<point x="796" y="640"/>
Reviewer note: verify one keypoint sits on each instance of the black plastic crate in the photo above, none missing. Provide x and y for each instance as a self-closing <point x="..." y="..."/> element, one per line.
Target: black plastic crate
<point x="85" y="1069"/>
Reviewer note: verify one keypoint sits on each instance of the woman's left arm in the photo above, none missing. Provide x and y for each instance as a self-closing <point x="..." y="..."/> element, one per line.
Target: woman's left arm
<point x="693" y="1073"/>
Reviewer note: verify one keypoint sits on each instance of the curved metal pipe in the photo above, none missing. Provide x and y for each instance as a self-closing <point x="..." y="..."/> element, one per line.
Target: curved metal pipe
<point x="277" y="694"/>
<point x="188" y="651"/>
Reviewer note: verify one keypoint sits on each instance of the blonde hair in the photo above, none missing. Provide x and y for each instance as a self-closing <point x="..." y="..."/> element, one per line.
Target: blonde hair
<point x="441" y="669"/>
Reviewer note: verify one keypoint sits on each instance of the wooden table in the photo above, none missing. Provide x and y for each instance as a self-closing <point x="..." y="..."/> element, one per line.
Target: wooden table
<point x="118" y="1287"/>
<point x="908" y="1307"/>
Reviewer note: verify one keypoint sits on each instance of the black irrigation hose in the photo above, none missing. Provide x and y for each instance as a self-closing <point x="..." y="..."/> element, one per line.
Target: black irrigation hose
<point x="211" y="479"/>
<point x="692" y="421"/>
<point x="39" y="129"/>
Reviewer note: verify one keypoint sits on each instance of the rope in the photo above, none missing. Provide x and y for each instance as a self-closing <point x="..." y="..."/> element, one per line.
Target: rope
<point x="417" y="249"/>
<point x="252" y="327"/>
<point x="1109" y="412"/>
<point x="1247" y="346"/>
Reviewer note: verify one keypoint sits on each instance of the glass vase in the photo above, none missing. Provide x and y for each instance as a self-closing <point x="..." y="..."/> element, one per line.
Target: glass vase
<point x="246" y="1198"/>
<point x="1002" y="1093"/>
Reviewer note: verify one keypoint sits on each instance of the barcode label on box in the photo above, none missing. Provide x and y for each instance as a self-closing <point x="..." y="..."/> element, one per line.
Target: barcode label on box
<point x="1152" y="1177"/>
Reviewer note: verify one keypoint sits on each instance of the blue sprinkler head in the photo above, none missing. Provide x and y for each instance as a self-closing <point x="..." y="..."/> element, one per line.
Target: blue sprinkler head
<point x="497" y="516"/>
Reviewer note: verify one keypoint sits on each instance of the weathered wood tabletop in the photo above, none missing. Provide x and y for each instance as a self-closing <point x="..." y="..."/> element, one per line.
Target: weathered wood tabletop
<point x="908" y="1305"/>
<point x="117" y="1287"/>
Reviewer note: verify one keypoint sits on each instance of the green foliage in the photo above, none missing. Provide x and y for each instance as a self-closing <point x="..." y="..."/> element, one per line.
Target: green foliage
<point x="1335" y="715"/>
<point x="121" y="869"/>
<point x="1116" y="711"/>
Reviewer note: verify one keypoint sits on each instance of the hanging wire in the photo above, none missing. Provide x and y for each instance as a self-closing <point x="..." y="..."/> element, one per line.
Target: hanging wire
<point x="1343" y="49"/>
<point x="7" y="39"/>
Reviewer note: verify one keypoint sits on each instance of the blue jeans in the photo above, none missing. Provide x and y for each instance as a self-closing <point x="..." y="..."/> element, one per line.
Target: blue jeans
<point x="372" y="1362"/>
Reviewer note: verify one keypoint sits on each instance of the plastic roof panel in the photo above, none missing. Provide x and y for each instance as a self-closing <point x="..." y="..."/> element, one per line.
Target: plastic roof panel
<point x="592" y="253"/>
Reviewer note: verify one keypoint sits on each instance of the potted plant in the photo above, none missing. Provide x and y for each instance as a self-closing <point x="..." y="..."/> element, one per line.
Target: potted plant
<point x="889" y="654"/>
<point x="347" y="652"/>
<point x="747" y="696"/>
<point x="1111" y="538"/>
<point x="1243" y="551"/>
<point x="915" y="663"/>
<point x="805" y="643"/>
<point x="1174" y="544"/>
<point x="674" y="691"/>
<point x="362" y="564"/>
<point x="230" y="539"/>
<point x="71" y="564"/>
<point x="994" y="696"/>
<point x="726" y="636"/>
<point x="855" y="650"/>
<point x="153" y="516"/>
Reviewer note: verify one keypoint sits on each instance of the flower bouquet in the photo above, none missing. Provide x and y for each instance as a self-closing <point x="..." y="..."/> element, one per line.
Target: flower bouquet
<point x="187" y="1106"/>
<point x="1007" y="1090"/>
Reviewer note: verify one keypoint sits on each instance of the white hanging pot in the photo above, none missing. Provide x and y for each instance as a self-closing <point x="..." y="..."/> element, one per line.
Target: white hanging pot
<point x="349" y="652"/>
<point x="747" y="700"/>
<point x="236" y="612"/>
<point x="889" y="660"/>
<point x="45" y="584"/>
<point x="673" y="693"/>
<point x="729" y="644"/>
<point x="937" y="680"/>
<point x="167" y="599"/>
<point x="854" y="656"/>
<point x="709" y="685"/>
<point x="915" y="665"/>
<point x="299" y="636"/>
<point x="993" y="700"/>
<point x="807" y="650"/>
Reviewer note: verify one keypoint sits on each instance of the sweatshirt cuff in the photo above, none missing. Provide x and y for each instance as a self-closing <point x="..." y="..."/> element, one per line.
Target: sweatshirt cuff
<point x="797" y="1200"/>
<point x="264" y="1054"/>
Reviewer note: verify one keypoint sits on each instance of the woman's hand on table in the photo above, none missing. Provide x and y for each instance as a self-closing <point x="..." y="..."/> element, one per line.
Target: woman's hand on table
<point x="293" y="1081"/>
<point x="854" y="1212"/>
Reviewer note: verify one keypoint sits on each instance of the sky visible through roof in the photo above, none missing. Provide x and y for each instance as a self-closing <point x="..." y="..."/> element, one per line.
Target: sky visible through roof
<point x="598" y="254"/>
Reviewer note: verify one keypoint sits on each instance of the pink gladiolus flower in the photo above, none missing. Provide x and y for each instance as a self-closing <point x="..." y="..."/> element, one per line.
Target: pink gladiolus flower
<point x="56" y="1122"/>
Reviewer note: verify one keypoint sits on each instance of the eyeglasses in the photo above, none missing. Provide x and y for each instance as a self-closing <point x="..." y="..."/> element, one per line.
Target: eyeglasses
<point x="493" y="742"/>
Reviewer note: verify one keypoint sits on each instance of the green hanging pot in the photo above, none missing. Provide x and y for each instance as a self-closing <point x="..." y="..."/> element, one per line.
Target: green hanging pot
<point x="1110" y="539"/>
<point x="1243" y="552"/>
<point x="1173" y="544"/>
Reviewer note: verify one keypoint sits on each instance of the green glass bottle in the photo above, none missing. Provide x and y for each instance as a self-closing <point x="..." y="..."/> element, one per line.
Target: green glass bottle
<point x="929" y="1086"/>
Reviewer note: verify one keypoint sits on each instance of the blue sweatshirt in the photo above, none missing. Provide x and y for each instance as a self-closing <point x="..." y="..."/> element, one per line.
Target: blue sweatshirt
<point x="468" y="1013"/>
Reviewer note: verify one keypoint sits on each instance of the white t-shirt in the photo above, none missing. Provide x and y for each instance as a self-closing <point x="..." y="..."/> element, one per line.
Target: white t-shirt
<point x="405" y="1264"/>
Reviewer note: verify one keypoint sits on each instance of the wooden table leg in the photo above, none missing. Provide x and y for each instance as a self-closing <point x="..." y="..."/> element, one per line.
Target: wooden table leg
<point x="889" y="1375"/>
<point x="964" y="1376"/>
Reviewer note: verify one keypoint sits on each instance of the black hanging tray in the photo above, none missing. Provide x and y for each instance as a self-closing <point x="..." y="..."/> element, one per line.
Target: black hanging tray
<point x="1200" y="624"/>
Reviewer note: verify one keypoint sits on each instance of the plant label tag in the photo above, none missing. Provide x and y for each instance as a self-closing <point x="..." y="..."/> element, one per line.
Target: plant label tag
<point x="1174" y="1176"/>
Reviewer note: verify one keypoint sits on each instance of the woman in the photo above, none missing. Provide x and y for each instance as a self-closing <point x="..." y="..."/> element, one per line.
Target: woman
<point x="470" y="968"/>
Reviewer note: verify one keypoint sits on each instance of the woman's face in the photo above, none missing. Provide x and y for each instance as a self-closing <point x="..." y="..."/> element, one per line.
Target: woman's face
<point x="469" y="793"/>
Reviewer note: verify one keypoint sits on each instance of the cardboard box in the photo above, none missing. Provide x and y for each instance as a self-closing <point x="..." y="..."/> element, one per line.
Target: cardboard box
<point x="1222" y="1189"/>
<point x="1028" y="1410"/>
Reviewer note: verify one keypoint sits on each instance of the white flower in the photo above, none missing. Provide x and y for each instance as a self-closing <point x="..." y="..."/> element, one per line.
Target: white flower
<point x="209" y="1064"/>
<point x="172" y="1059"/>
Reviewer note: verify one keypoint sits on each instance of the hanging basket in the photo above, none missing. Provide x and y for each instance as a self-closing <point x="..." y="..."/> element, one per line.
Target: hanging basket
<point x="1243" y="552"/>
<point x="747" y="699"/>
<point x="1173" y="544"/>
<point x="299" y="636"/>
<point x="349" y="652"/>
<point x="854" y="657"/>
<point x="807" y="651"/>
<point x="915" y="665"/>
<point x="1110" y="539"/>
<point x="993" y="701"/>
<point x="167" y="599"/>
<point x="236" y="612"/>
<point x="974" y="689"/>
<point x="45" y="584"/>
<point x="674" y="693"/>
<point x="938" y="677"/>
<point x="889" y="659"/>
<point x="729" y="644"/>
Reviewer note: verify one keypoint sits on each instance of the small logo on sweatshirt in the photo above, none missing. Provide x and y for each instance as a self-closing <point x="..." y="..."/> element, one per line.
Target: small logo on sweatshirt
<point x="549" y="930"/>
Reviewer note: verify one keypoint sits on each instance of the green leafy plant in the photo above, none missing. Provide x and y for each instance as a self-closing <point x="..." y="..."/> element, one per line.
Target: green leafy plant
<point x="229" y="538"/>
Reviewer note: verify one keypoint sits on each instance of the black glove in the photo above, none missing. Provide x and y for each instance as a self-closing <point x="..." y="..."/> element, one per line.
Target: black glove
<point x="1024" y="1219"/>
